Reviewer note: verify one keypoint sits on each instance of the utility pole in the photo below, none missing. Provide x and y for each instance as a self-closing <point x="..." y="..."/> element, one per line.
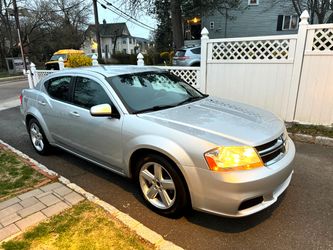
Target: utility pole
<point x="17" y="21"/>
<point x="99" y="50"/>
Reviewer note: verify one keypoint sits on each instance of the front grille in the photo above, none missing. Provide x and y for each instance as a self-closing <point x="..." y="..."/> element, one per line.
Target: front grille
<point x="272" y="151"/>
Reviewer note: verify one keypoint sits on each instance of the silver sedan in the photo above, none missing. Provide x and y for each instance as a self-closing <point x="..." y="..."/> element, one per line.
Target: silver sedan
<point x="183" y="148"/>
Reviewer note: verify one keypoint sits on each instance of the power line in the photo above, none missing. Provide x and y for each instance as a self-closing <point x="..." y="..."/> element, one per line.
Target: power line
<point x="124" y="15"/>
<point x="110" y="4"/>
<point x="128" y="18"/>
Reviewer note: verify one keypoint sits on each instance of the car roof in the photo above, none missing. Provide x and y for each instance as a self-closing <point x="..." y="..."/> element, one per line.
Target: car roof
<point x="190" y="47"/>
<point x="109" y="71"/>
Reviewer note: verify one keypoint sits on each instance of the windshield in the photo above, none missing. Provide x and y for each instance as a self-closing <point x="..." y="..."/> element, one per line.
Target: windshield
<point x="56" y="57"/>
<point x="149" y="91"/>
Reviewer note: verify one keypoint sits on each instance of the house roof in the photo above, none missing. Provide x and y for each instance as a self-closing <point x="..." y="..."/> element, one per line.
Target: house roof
<point x="110" y="29"/>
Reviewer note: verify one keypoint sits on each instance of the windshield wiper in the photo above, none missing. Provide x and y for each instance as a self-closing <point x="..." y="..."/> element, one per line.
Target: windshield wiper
<point x="155" y="108"/>
<point x="191" y="99"/>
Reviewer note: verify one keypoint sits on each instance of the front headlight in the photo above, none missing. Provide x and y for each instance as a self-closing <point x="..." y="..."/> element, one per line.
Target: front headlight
<point x="233" y="158"/>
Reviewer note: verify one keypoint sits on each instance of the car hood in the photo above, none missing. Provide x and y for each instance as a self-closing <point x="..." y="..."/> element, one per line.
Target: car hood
<point x="219" y="120"/>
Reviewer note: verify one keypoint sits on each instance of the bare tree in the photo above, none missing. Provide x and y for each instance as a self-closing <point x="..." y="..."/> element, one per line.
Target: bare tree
<point x="178" y="10"/>
<point x="46" y="25"/>
<point x="320" y="10"/>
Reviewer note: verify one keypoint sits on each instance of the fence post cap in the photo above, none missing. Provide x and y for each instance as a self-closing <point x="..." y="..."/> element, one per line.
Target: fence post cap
<point x="61" y="59"/>
<point x="140" y="56"/>
<point x="305" y="17"/>
<point x="204" y="33"/>
<point x="32" y="64"/>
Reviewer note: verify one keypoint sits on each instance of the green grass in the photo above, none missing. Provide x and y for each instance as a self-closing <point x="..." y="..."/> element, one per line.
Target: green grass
<point x="84" y="226"/>
<point x="6" y="74"/>
<point x="314" y="130"/>
<point x="15" y="175"/>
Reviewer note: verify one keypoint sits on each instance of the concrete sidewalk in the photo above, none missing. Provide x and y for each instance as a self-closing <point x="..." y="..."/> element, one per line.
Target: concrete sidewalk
<point x="4" y="80"/>
<point x="28" y="209"/>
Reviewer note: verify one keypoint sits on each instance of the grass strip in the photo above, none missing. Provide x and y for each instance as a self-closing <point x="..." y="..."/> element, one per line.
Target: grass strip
<point x="84" y="226"/>
<point x="314" y="130"/>
<point x="15" y="174"/>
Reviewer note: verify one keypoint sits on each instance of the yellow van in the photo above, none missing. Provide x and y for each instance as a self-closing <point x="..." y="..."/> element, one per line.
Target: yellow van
<point x="64" y="53"/>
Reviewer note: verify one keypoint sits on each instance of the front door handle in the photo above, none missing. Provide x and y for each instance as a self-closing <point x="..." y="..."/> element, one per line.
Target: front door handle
<point x="74" y="113"/>
<point x="42" y="103"/>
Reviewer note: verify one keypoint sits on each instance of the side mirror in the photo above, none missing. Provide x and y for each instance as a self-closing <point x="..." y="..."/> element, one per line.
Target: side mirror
<point x="101" y="110"/>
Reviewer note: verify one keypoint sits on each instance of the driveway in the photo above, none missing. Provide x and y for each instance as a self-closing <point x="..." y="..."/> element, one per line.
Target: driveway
<point x="301" y="219"/>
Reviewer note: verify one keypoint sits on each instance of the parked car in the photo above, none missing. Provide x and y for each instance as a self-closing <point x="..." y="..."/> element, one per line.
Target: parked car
<point x="64" y="53"/>
<point x="187" y="56"/>
<point x="183" y="148"/>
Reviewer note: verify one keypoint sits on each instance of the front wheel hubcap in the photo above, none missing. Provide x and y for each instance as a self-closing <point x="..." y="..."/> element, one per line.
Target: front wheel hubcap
<point x="157" y="185"/>
<point x="36" y="137"/>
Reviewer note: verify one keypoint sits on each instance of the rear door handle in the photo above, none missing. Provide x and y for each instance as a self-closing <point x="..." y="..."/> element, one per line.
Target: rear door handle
<point x="42" y="103"/>
<point x="74" y="113"/>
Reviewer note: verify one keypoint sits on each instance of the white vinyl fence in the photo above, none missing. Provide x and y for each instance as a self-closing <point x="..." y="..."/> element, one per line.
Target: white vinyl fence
<point x="315" y="95"/>
<point x="290" y="75"/>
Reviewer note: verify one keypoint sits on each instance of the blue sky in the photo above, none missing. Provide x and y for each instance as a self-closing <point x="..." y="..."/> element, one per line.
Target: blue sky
<point x="135" y="30"/>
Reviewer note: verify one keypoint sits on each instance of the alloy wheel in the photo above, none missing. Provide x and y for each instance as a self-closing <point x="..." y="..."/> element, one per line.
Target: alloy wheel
<point x="157" y="185"/>
<point x="36" y="137"/>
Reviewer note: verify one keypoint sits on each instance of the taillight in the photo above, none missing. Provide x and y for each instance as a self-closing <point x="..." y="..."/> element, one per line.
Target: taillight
<point x="183" y="57"/>
<point x="21" y="98"/>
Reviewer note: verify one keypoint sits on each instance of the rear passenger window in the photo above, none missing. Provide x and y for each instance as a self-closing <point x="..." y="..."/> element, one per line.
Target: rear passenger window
<point x="59" y="88"/>
<point x="88" y="93"/>
<point x="196" y="51"/>
<point x="180" y="53"/>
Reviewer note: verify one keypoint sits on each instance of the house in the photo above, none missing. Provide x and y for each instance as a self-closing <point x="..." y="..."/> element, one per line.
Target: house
<point x="251" y="18"/>
<point x="115" y="38"/>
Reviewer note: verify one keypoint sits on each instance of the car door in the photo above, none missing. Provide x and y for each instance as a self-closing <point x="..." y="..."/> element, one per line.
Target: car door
<point x="54" y="108"/>
<point x="98" y="138"/>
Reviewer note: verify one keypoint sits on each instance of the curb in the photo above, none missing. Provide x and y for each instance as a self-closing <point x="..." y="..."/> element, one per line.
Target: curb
<point x="141" y="230"/>
<point x="4" y="79"/>
<point x="321" y="140"/>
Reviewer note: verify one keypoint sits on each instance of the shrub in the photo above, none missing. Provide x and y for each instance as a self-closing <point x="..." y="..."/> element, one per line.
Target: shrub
<point x="79" y="60"/>
<point x="171" y="55"/>
<point x="165" y="56"/>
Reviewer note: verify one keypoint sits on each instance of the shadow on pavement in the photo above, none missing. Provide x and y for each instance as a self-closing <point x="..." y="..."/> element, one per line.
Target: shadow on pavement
<point x="232" y="225"/>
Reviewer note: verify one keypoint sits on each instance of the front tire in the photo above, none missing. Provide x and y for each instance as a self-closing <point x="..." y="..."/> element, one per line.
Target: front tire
<point x="37" y="137"/>
<point x="161" y="186"/>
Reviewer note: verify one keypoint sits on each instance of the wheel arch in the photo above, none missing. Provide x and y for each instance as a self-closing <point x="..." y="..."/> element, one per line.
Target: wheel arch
<point x="35" y="114"/>
<point x="141" y="152"/>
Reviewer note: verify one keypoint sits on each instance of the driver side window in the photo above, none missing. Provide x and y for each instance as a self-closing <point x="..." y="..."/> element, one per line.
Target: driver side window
<point x="88" y="93"/>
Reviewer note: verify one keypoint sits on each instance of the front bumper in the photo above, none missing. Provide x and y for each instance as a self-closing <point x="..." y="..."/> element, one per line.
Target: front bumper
<point x="223" y="193"/>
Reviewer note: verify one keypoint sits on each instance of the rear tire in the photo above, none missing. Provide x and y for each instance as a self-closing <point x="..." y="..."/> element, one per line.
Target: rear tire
<point x="161" y="186"/>
<point x="38" y="138"/>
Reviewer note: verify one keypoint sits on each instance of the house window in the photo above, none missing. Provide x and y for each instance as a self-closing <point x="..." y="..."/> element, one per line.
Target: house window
<point x="130" y="40"/>
<point x="211" y="25"/>
<point x="290" y="22"/>
<point x="124" y="41"/>
<point x="253" y="2"/>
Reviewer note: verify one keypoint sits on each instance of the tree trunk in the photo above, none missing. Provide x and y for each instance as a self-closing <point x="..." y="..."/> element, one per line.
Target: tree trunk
<point x="177" y="24"/>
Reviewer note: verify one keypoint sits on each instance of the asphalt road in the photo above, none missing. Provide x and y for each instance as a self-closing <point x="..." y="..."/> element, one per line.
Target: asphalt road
<point x="301" y="219"/>
<point x="12" y="89"/>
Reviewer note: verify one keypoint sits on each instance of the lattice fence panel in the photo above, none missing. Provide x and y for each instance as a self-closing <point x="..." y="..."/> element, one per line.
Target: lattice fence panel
<point x="188" y="75"/>
<point x="251" y="50"/>
<point x="323" y="40"/>
<point x="41" y="74"/>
